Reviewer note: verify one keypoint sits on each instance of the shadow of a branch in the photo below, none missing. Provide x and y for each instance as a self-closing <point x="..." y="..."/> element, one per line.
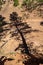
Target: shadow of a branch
<point x="3" y="60"/>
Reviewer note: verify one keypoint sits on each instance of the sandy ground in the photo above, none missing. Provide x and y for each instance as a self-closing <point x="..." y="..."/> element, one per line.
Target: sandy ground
<point x="11" y="43"/>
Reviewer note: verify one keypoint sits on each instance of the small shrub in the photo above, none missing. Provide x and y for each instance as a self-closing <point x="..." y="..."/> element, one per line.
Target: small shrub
<point x="16" y="2"/>
<point x="0" y="2"/>
<point x="40" y="1"/>
<point x="31" y="4"/>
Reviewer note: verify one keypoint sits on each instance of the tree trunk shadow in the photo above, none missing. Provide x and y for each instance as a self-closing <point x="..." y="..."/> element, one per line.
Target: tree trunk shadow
<point x="18" y="24"/>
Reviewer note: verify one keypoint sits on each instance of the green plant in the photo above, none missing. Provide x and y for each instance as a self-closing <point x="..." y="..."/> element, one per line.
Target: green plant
<point x="16" y="2"/>
<point x="40" y="1"/>
<point x="32" y="4"/>
<point x="0" y="2"/>
<point x="26" y="2"/>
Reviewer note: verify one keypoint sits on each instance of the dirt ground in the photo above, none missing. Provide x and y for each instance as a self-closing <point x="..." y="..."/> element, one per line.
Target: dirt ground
<point x="11" y="43"/>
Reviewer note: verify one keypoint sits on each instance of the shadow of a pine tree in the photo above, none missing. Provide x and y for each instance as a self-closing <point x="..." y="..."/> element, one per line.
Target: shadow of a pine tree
<point x="22" y="28"/>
